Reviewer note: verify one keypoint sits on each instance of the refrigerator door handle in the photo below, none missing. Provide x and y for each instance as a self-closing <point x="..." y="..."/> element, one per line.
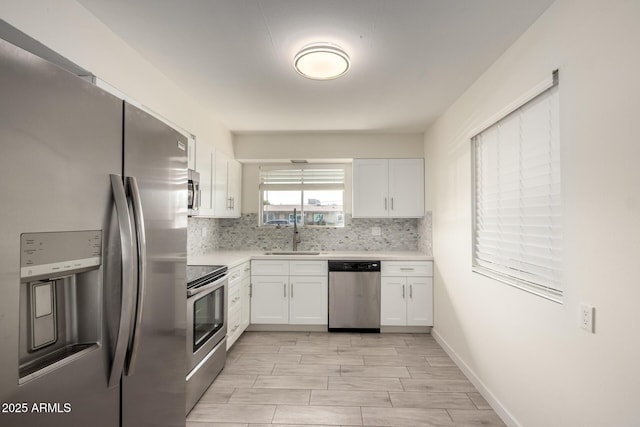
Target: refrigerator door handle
<point x="139" y="224"/>
<point x="126" y="307"/>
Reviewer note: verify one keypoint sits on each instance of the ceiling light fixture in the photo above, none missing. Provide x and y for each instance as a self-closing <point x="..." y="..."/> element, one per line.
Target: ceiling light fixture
<point x="322" y="61"/>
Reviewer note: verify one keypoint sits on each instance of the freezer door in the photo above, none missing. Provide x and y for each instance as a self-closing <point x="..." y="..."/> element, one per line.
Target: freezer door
<point x="60" y="139"/>
<point x="153" y="392"/>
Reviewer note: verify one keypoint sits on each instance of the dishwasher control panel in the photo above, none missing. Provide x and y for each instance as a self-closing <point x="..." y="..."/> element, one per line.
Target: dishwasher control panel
<point x="354" y="265"/>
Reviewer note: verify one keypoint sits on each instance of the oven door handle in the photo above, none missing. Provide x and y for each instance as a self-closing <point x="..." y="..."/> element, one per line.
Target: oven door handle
<point x="206" y="288"/>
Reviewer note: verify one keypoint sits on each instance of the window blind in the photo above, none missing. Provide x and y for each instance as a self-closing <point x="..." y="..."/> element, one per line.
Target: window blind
<point x="517" y="208"/>
<point x="330" y="177"/>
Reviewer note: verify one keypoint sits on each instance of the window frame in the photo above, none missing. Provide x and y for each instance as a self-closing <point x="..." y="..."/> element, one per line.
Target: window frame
<point x="540" y="288"/>
<point x="302" y="187"/>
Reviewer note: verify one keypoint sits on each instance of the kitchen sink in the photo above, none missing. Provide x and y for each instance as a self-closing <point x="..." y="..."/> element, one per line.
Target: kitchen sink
<point x="292" y="253"/>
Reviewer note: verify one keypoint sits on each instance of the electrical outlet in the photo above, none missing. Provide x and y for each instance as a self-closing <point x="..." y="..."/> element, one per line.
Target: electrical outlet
<point x="376" y="231"/>
<point x="587" y="314"/>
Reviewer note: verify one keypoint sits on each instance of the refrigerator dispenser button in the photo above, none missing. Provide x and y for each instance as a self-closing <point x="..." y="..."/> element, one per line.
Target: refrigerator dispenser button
<point x="43" y="315"/>
<point x="42" y="300"/>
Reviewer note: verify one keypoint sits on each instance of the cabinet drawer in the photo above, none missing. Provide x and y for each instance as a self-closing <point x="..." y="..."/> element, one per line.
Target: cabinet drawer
<point x="239" y="272"/>
<point x="269" y="268"/>
<point x="308" y="268"/>
<point x="407" y="268"/>
<point x="234" y="298"/>
<point x="234" y="328"/>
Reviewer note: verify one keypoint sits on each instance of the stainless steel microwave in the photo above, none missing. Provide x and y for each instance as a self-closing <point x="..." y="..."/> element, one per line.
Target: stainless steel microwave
<point x="194" y="192"/>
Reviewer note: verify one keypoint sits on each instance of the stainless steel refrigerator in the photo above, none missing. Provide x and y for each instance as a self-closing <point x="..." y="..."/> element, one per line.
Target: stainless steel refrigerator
<point x="92" y="254"/>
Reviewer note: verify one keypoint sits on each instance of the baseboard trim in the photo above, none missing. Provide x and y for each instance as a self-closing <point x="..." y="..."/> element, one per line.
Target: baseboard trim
<point x="495" y="404"/>
<point x="405" y="329"/>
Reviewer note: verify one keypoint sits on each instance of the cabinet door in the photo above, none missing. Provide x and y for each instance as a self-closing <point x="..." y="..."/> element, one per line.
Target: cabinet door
<point x="245" y="316"/>
<point x="270" y="299"/>
<point x="234" y="188"/>
<point x="191" y="153"/>
<point x="308" y="300"/>
<point x="205" y="164"/>
<point x="370" y="188"/>
<point x="420" y="301"/>
<point x="393" y="303"/>
<point x="406" y="188"/>
<point x="221" y="203"/>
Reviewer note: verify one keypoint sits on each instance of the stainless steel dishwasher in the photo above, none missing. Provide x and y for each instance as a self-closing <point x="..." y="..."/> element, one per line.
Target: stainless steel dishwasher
<point x="354" y="296"/>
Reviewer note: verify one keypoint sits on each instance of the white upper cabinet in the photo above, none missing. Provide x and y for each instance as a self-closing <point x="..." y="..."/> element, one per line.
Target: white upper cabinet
<point x="406" y="187"/>
<point x="205" y="165"/>
<point x="227" y="187"/>
<point x="191" y="153"/>
<point x="388" y="188"/>
<point x="234" y="187"/>
<point x="370" y="188"/>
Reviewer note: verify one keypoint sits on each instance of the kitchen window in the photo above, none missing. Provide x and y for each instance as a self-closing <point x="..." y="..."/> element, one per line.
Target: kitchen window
<point x="315" y="191"/>
<point x="517" y="221"/>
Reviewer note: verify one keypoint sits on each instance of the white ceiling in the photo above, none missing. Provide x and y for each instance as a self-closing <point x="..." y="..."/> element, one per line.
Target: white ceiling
<point x="410" y="58"/>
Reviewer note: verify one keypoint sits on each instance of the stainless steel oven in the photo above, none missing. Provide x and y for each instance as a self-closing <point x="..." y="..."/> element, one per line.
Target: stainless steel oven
<point x="206" y="328"/>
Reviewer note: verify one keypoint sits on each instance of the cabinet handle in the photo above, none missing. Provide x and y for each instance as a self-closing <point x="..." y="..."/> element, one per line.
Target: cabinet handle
<point x="392" y="203"/>
<point x="406" y="268"/>
<point x="291" y="293"/>
<point x="385" y="203"/>
<point x="284" y="287"/>
<point x="411" y="291"/>
<point x="403" y="291"/>
<point x="250" y="290"/>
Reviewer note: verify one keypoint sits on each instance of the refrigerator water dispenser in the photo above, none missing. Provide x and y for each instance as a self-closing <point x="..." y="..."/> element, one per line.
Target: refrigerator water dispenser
<point x="43" y="314"/>
<point x="60" y="294"/>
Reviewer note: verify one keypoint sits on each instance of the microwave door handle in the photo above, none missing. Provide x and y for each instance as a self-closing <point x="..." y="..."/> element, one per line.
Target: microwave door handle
<point x="127" y="285"/>
<point x="197" y="194"/>
<point x="138" y="219"/>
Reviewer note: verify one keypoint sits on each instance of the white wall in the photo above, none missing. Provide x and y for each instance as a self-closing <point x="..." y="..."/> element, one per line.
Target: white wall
<point x="530" y="356"/>
<point x="69" y="29"/>
<point x="310" y="146"/>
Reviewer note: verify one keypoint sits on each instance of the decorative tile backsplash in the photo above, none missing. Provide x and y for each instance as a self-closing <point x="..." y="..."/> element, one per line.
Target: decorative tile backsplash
<point x="206" y="234"/>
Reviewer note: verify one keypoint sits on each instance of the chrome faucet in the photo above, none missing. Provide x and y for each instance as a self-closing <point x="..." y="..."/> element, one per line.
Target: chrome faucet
<point x="296" y="235"/>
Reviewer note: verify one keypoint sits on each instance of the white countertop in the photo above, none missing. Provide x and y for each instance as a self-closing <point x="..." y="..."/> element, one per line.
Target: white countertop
<point x="234" y="258"/>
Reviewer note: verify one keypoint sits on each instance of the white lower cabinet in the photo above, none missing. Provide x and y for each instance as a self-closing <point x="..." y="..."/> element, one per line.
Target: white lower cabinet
<point x="238" y="302"/>
<point x="406" y="293"/>
<point x="308" y="300"/>
<point x="269" y="301"/>
<point x="289" y="292"/>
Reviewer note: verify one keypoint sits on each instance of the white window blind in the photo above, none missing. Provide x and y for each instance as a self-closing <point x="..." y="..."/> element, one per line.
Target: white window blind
<point x="517" y="236"/>
<point x="326" y="177"/>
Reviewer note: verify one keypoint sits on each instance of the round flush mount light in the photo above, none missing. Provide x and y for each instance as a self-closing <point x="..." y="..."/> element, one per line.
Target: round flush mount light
<point x="322" y="61"/>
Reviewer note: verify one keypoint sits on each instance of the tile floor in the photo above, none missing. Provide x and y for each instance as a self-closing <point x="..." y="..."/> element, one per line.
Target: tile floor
<point x="297" y="379"/>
